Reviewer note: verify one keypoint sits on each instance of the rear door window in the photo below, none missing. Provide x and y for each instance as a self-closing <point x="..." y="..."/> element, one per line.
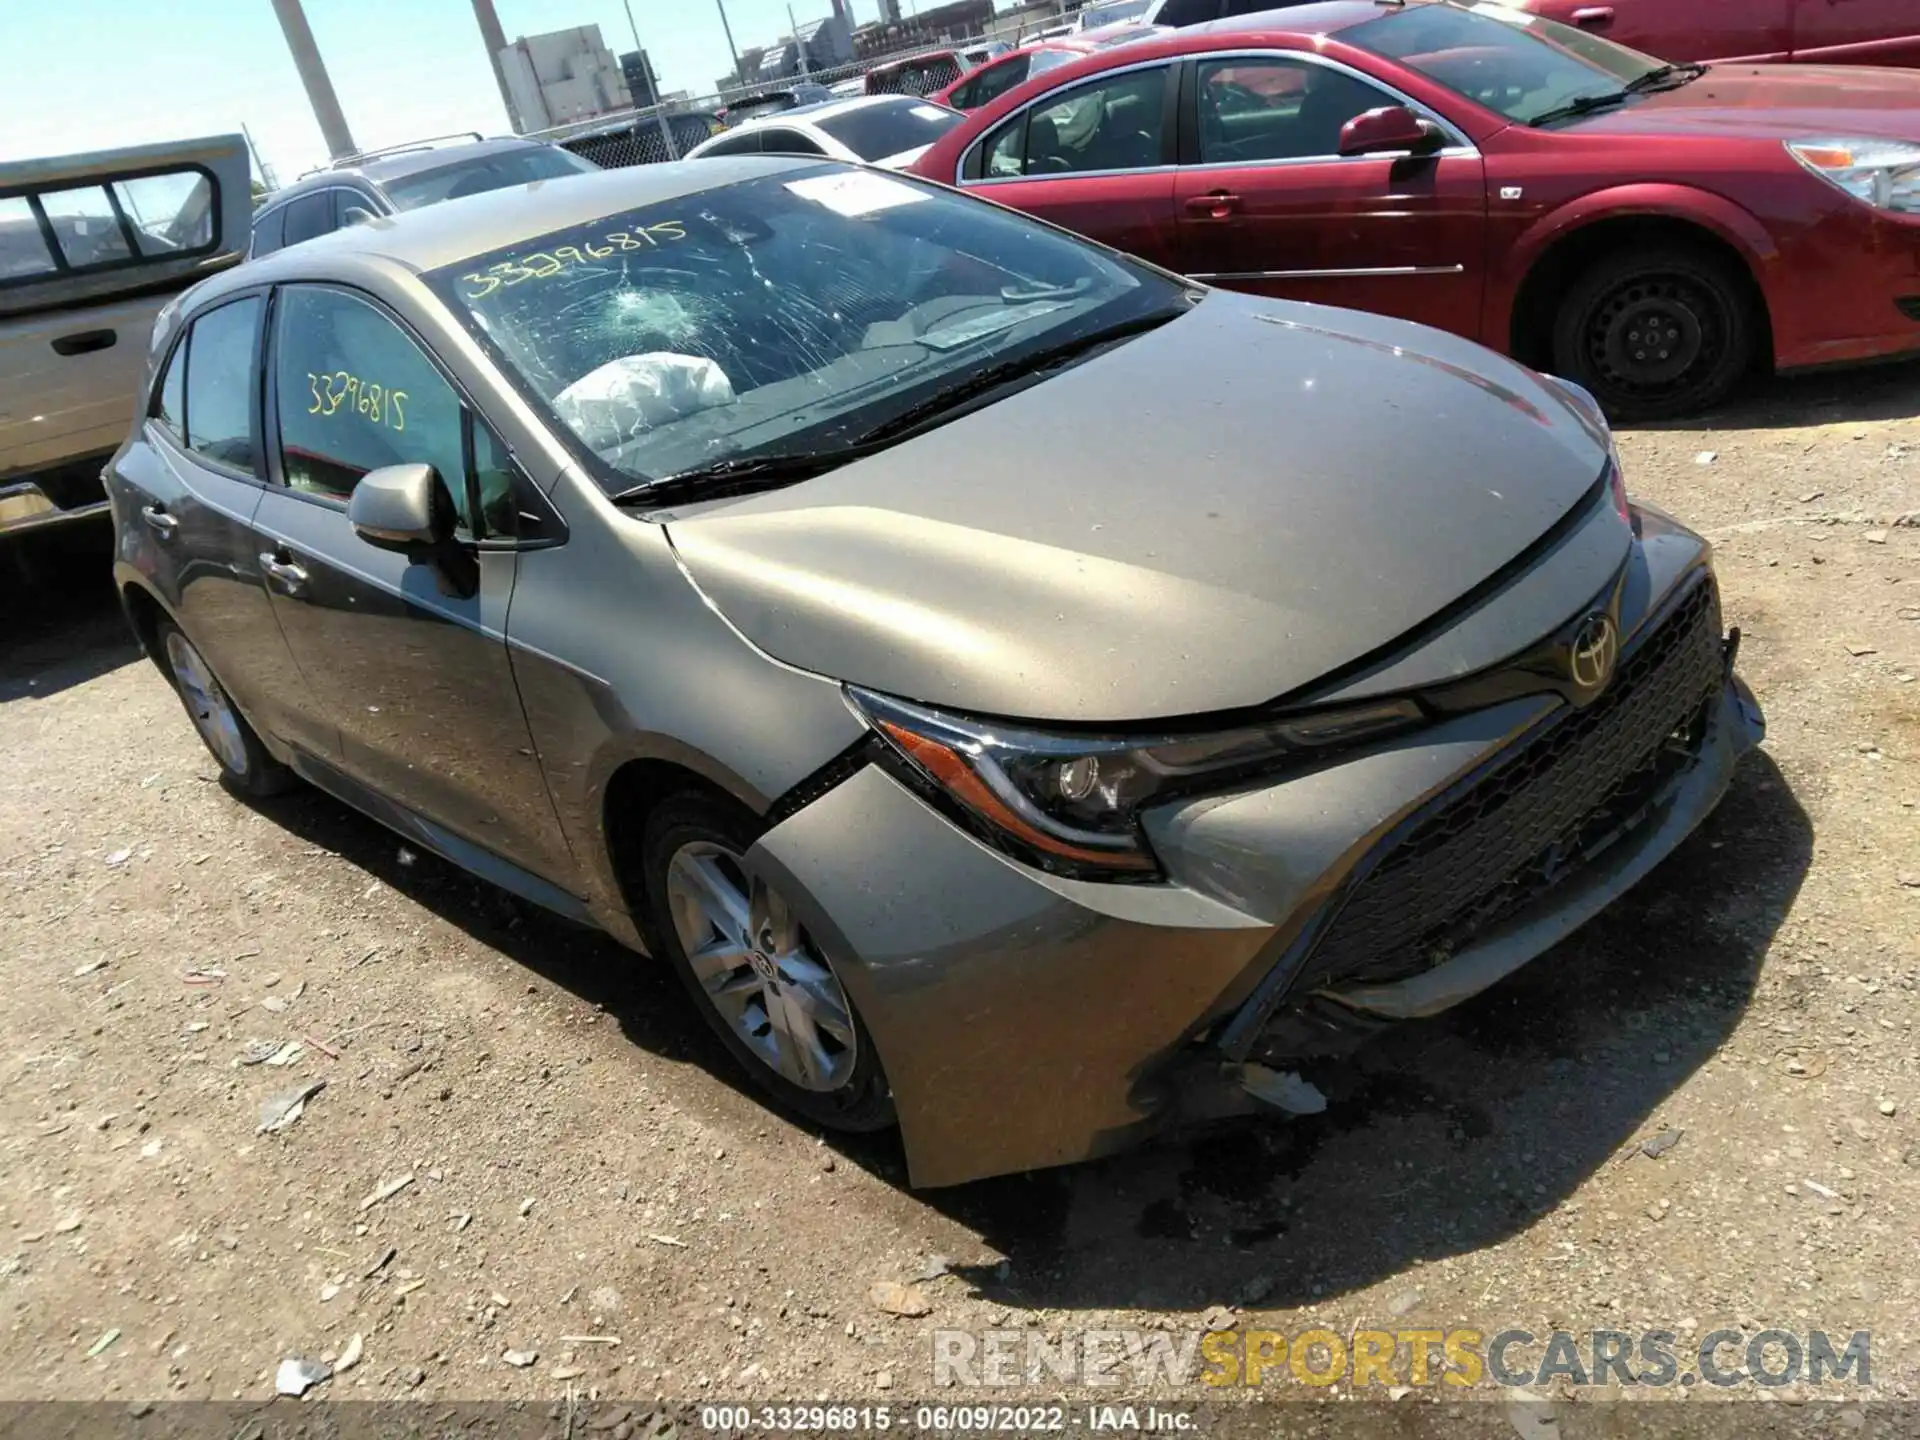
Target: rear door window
<point x="787" y="142"/>
<point x="746" y="143"/>
<point x="221" y="418"/>
<point x="309" y="216"/>
<point x="1115" y="123"/>
<point x="270" y="231"/>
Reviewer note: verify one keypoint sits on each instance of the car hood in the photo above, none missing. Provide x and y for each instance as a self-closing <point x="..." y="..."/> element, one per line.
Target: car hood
<point x="1773" y="102"/>
<point x="1207" y="517"/>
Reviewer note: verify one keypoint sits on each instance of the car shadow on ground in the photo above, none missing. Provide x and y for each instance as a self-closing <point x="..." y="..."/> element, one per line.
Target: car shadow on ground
<point x="63" y="622"/>
<point x="1819" y="397"/>
<point x="640" y="993"/>
<point x="1440" y="1138"/>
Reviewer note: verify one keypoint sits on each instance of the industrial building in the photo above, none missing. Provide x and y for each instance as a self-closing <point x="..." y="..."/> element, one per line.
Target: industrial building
<point x="561" y="76"/>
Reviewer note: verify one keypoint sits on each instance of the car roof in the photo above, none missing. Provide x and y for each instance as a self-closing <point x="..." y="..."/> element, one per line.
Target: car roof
<point x="1297" y="27"/>
<point x="382" y="168"/>
<point x="919" y="58"/>
<point x="825" y="110"/>
<point x="455" y="230"/>
<point x="1323" y="18"/>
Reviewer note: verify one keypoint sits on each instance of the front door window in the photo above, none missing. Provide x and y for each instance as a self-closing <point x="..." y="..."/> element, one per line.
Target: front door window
<point x="356" y="393"/>
<point x="1254" y="110"/>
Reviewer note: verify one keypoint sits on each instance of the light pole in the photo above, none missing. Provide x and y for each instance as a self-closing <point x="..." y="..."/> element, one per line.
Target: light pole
<point x="721" y="6"/>
<point x="659" y="109"/>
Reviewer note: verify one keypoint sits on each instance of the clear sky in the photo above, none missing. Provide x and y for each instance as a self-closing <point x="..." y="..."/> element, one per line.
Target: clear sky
<point x="89" y="74"/>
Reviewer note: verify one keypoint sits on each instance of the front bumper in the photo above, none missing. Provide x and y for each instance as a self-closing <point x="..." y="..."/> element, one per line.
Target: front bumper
<point x="1026" y="1020"/>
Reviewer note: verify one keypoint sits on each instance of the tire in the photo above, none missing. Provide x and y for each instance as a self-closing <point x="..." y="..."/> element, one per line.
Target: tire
<point x="758" y="980"/>
<point x="1656" y="333"/>
<point x="245" y="765"/>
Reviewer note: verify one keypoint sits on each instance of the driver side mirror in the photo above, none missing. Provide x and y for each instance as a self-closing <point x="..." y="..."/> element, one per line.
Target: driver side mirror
<point x="1391" y="127"/>
<point x="408" y="509"/>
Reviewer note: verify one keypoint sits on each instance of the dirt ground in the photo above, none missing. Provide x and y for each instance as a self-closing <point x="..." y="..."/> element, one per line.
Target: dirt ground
<point x="579" y="1161"/>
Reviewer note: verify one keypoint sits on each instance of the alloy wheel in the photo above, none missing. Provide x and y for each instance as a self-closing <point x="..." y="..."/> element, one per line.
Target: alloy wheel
<point x="213" y="714"/>
<point x="758" y="969"/>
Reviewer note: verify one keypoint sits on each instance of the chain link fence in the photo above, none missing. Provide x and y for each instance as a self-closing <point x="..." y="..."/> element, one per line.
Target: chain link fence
<point x="653" y="134"/>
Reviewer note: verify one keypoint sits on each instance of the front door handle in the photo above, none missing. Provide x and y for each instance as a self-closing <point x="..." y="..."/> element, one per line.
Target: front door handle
<point x="85" y="342"/>
<point x="1594" y="17"/>
<point x="280" y="565"/>
<point x="159" y="521"/>
<point x="1215" y="204"/>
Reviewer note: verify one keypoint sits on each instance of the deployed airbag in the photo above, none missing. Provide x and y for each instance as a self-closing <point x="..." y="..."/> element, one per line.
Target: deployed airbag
<point x="619" y="400"/>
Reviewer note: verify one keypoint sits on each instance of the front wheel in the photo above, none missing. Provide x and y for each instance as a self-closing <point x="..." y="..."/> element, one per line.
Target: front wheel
<point x="757" y="977"/>
<point x="244" y="761"/>
<point x="1656" y="333"/>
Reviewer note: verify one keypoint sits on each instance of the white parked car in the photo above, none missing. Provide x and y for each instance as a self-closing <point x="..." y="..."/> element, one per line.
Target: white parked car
<point x="885" y="130"/>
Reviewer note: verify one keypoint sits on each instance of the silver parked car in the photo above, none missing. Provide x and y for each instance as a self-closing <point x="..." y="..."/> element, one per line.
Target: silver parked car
<point x="1025" y="695"/>
<point x="404" y="177"/>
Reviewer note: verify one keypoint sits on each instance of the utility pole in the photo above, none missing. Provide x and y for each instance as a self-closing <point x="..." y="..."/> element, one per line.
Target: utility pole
<point x="799" y="45"/>
<point x="659" y="110"/>
<point x="267" y="177"/>
<point x="495" y="39"/>
<point x="721" y="6"/>
<point x="313" y="75"/>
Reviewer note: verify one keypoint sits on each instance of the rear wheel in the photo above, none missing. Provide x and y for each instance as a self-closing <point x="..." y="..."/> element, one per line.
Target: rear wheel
<point x="244" y="761"/>
<point x="1656" y="333"/>
<point x="755" y="974"/>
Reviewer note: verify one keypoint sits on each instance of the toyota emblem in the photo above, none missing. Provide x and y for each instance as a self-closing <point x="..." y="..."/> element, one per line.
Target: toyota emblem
<point x="1591" y="657"/>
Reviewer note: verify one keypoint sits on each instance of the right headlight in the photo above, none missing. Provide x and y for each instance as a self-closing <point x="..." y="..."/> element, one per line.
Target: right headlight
<point x="1071" y="803"/>
<point x="1882" y="173"/>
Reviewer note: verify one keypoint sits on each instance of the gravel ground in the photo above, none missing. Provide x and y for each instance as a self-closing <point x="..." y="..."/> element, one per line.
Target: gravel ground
<point x="527" y="1147"/>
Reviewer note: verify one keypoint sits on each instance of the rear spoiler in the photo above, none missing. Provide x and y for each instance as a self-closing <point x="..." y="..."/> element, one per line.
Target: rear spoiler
<point x="201" y="185"/>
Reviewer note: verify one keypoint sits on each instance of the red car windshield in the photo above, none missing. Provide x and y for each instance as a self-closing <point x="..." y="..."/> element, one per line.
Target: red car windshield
<point x="1520" y="65"/>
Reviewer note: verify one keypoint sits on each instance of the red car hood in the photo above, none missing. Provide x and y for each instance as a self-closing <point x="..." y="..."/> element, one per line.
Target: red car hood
<point x="1773" y="102"/>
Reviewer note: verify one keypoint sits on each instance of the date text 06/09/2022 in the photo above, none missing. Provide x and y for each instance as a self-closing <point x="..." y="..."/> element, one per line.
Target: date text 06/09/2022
<point x="943" y="1419"/>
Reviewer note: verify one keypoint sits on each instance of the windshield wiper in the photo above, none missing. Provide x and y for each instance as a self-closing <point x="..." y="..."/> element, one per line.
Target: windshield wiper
<point x="984" y="382"/>
<point x="1666" y="77"/>
<point x="1579" y="105"/>
<point x="740" y="476"/>
<point x="1661" y="77"/>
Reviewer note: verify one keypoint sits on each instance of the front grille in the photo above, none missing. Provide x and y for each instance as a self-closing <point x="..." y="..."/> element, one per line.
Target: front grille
<point x="1519" y="829"/>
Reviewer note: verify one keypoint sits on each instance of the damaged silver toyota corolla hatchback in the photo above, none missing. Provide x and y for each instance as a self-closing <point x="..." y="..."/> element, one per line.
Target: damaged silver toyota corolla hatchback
<point x="1025" y="695"/>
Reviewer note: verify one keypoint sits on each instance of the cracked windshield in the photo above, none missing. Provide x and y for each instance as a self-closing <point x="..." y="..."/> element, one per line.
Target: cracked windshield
<point x="789" y="315"/>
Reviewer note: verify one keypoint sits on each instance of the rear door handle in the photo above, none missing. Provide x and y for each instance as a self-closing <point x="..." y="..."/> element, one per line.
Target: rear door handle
<point x="85" y="342"/>
<point x="1594" y="17"/>
<point x="159" y="521"/>
<point x="1215" y="204"/>
<point x="280" y="565"/>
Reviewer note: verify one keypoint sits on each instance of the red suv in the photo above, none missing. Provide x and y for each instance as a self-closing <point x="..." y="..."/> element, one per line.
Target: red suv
<point x="1821" y="32"/>
<point x="1652" y="231"/>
